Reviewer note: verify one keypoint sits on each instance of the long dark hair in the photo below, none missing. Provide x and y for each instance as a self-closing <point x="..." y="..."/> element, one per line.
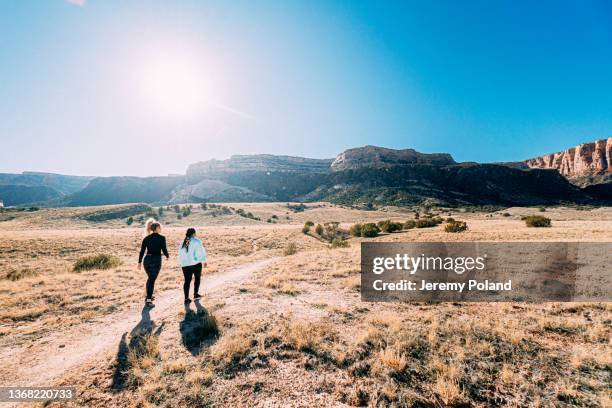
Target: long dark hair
<point x="190" y="233"/>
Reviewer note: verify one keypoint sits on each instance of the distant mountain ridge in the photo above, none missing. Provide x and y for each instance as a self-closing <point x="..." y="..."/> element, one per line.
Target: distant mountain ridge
<point x="363" y="175"/>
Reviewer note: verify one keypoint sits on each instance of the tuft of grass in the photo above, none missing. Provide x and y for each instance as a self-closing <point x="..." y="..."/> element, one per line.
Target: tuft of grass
<point x="339" y="243"/>
<point x="100" y="261"/>
<point x="537" y="221"/>
<point x="290" y="249"/>
<point x="17" y="274"/>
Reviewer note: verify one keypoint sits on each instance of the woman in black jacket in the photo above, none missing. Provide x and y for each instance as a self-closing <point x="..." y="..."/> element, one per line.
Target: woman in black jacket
<point x="154" y="245"/>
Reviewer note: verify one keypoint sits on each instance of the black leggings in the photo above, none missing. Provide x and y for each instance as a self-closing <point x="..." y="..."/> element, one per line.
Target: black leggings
<point x="188" y="271"/>
<point x="152" y="265"/>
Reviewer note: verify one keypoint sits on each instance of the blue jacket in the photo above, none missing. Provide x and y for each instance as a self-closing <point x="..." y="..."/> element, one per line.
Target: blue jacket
<point x="194" y="254"/>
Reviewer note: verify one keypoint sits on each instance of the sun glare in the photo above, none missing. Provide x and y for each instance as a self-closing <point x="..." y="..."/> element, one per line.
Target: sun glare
<point x="175" y="88"/>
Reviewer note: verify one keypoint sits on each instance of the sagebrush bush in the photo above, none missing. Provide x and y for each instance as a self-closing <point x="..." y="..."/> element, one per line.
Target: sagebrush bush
<point x="309" y="224"/>
<point x="100" y="261"/>
<point x="428" y="222"/>
<point x="456" y="226"/>
<point x="389" y="226"/>
<point x="355" y="230"/>
<point x="370" y="230"/>
<point x="537" y="221"/>
<point x="410" y="224"/>
<point x="319" y="229"/>
<point x="305" y="229"/>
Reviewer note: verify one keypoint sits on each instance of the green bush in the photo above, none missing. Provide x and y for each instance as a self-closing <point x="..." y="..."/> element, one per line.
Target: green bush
<point x="456" y="226"/>
<point x="506" y="214"/>
<point x="100" y="261"/>
<point x="305" y="229"/>
<point x="309" y="224"/>
<point x="369" y="230"/>
<point x="450" y="220"/>
<point x="542" y="209"/>
<point x="319" y="229"/>
<point x="355" y="230"/>
<point x="390" y="226"/>
<point x="130" y="221"/>
<point x="410" y="224"/>
<point x="537" y="221"/>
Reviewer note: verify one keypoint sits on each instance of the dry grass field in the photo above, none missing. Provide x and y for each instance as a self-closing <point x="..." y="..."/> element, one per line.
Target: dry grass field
<point x="294" y="332"/>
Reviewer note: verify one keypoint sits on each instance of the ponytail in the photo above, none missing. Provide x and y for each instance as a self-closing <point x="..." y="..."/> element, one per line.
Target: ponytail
<point x="190" y="233"/>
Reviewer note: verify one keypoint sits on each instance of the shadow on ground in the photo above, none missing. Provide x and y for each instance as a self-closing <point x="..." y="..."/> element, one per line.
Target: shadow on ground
<point x="198" y="328"/>
<point x="139" y="338"/>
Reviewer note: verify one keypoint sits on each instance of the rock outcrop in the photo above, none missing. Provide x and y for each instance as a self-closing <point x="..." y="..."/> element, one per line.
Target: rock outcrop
<point x="381" y="157"/>
<point x="588" y="159"/>
<point x="259" y="162"/>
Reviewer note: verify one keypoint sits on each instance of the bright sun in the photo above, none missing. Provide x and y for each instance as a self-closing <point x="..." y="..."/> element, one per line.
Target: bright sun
<point x="175" y="88"/>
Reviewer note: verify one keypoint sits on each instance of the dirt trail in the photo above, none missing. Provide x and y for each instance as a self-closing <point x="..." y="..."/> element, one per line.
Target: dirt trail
<point x="38" y="364"/>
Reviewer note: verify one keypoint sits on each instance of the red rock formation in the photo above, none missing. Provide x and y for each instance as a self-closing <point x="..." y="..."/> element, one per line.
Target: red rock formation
<point x="587" y="159"/>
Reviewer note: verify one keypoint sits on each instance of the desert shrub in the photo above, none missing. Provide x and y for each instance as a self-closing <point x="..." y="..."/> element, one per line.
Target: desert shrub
<point x="417" y="215"/>
<point x="319" y="229"/>
<point x="290" y="249"/>
<point x="355" y="230"/>
<point x="274" y="216"/>
<point x="542" y="209"/>
<point x="186" y="211"/>
<point x="390" y="226"/>
<point x="130" y="221"/>
<point x="100" y="261"/>
<point x="309" y="224"/>
<point x="297" y="207"/>
<point x="177" y="208"/>
<point x="456" y="226"/>
<point x="537" y="221"/>
<point x="450" y="220"/>
<point x="339" y="243"/>
<point x="204" y="206"/>
<point x="370" y="230"/>
<point x="506" y="214"/>
<point x="331" y="230"/>
<point x="33" y="209"/>
<point x="17" y="274"/>
<point x="305" y="229"/>
<point x="410" y="224"/>
<point x="428" y="222"/>
<point x="117" y="213"/>
<point x="179" y="216"/>
<point x="160" y="212"/>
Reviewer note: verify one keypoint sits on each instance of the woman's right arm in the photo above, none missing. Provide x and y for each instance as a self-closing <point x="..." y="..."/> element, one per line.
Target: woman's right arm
<point x="143" y="247"/>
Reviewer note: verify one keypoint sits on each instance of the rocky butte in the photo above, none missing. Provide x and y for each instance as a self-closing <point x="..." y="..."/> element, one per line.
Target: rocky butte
<point x="585" y="160"/>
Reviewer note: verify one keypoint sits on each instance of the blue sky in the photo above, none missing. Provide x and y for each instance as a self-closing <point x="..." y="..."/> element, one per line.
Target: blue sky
<point x="145" y="88"/>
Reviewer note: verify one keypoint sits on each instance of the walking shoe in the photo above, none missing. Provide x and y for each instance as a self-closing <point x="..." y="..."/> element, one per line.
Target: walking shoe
<point x="197" y="296"/>
<point x="149" y="303"/>
<point x="187" y="301"/>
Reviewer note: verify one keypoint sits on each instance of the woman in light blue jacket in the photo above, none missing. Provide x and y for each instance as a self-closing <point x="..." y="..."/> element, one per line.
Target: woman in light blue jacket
<point x="191" y="256"/>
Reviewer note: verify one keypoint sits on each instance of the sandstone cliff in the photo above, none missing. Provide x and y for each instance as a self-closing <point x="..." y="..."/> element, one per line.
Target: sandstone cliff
<point x="585" y="160"/>
<point x="381" y="157"/>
